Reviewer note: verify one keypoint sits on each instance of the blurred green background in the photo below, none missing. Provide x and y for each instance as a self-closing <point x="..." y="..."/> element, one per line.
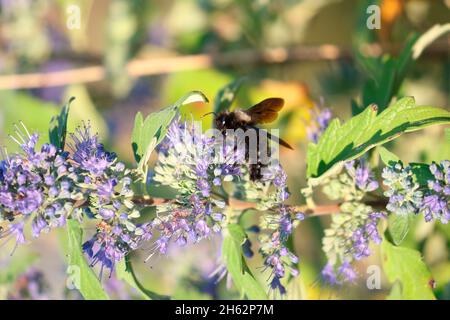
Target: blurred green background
<point x="43" y="37"/>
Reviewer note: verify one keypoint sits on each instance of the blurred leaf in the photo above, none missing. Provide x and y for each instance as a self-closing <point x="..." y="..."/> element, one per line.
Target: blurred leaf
<point x="398" y="227"/>
<point x="396" y="291"/>
<point x="429" y="37"/>
<point x="234" y="260"/>
<point x="226" y="96"/>
<point x="387" y="157"/>
<point x="58" y="127"/>
<point x="18" y="106"/>
<point x="406" y="266"/>
<point x="386" y="74"/>
<point x="207" y="81"/>
<point x="84" y="109"/>
<point x="148" y="133"/>
<point x="348" y="141"/>
<point x="19" y="264"/>
<point x="88" y="283"/>
<point x="125" y="272"/>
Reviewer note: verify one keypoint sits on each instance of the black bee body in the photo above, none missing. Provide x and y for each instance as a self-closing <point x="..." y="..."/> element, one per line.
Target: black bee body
<point x="240" y="120"/>
<point x="265" y="111"/>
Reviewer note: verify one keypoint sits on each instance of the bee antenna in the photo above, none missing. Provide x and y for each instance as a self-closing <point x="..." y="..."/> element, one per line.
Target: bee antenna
<point x="206" y="114"/>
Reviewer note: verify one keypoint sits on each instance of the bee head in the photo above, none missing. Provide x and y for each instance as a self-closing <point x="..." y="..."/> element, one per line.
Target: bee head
<point x="222" y="121"/>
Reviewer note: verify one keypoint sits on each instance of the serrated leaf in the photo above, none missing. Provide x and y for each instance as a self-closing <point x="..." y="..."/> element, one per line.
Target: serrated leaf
<point x="348" y="141"/>
<point x="148" y="133"/>
<point x="226" y="96"/>
<point x="85" y="279"/>
<point x="234" y="260"/>
<point x="125" y="272"/>
<point x="421" y="173"/>
<point x="398" y="227"/>
<point x="406" y="266"/>
<point x="387" y="156"/>
<point x="58" y="126"/>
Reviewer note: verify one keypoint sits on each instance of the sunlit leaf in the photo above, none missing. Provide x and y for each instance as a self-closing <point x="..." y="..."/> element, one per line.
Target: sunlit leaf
<point x="84" y="278"/>
<point x="398" y="227"/>
<point x="149" y="132"/>
<point x="407" y="267"/>
<point x="387" y="156"/>
<point x="348" y="141"/>
<point x="234" y="260"/>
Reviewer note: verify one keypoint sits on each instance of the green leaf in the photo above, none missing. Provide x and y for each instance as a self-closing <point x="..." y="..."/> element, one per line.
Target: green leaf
<point x="226" y="96"/>
<point x="234" y="260"/>
<point x="421" y="173"/>
<point x="387" y="156"/>
<point x="447" y="135"/>
<point x="398" y="227"/>
<point x="386" y="74"/>
<point x="396" y="291"/>
<point x="348" y="141"/>
<point x="406" y="266"/>
<point x="149" y="132"/>
<point x="58" y="127"/>
<point x="84" y="277"/>
<point x="125" y="272"/>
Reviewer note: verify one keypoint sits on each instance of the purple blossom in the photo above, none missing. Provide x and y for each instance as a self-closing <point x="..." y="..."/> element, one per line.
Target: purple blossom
<point x="361" y="236"/>
<point x="88" y="152"/>
<point x="319" y="124"/>
<point x="436" y="202"/>
<point x="362" y="175"/>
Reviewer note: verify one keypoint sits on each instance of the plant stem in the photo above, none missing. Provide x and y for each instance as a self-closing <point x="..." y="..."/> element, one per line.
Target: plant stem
<point x="320" y="210"/>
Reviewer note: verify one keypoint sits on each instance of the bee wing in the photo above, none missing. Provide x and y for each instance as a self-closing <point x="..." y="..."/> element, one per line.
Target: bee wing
<point x="266" y="111"/>
<point x="274" y="138"/>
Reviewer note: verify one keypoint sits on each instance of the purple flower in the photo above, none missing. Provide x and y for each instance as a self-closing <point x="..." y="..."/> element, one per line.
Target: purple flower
<point x="329" y="275"/>
<point x="361" y="236"/>
<point x="362" y="175"/>
<point x="39" y="223"/>
<point x="347" y="273"/>
<point x="319" y="124"/>
<point x="436" y="202"/>
<point x="88" y="153"/>
<point x="403" y="193"/>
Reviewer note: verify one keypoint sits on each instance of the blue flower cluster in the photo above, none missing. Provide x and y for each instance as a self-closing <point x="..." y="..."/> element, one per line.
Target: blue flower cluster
<point x="356" y="234"/>
<point x="404" y="194"/>
<point x="193" y="164"/>
<point x="436" y="202"/>
<point x="277" y="256"/>
<point x="407" y="197"/>
<point x="106" y="186"/>
<point x="35" y="186"/>
<point x="47" y="186"/>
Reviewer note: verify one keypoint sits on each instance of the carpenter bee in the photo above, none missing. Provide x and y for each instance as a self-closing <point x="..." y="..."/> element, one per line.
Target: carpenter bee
<point x="265" y="111"/>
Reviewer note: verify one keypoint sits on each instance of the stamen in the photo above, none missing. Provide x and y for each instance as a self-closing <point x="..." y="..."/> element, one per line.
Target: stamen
<point x="15" y="140"/>
<point x="26" y="130"/>
<point x="19" y="133"/>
